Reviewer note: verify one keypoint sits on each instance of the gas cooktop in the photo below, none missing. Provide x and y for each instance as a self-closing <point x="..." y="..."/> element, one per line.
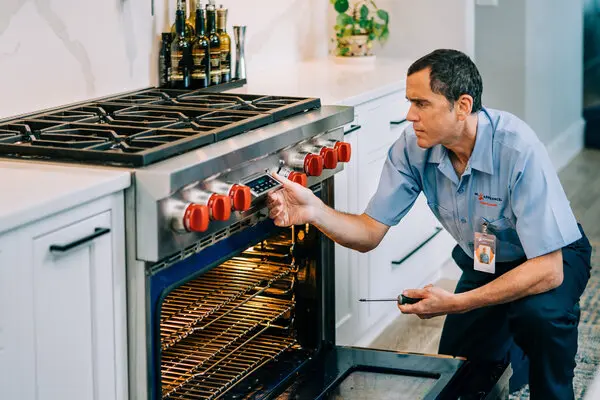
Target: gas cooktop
<point x="143" y="127"/>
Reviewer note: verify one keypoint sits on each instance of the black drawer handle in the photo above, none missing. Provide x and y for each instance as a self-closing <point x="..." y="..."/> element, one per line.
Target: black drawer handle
<point x="353" y="128"/>
<point x="399" y="122"/>
<point x="61" y="248"/>
<point x="406" y="257"/>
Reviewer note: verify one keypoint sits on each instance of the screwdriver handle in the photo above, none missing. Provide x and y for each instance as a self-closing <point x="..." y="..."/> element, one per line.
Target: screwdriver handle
<point x="407" y="300"/>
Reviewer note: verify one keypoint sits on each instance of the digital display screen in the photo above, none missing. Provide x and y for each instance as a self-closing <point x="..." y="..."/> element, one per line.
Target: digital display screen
<point x="262" y="184"/>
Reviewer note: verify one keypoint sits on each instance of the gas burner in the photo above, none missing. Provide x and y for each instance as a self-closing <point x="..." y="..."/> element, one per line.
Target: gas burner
<point x="140" y="128"/>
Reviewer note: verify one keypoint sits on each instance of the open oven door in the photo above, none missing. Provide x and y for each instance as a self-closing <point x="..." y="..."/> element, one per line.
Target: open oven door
<point x="356" y="373"/>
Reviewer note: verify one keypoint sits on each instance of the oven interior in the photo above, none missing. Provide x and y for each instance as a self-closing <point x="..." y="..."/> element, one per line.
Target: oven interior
<point x="242" y="327"/>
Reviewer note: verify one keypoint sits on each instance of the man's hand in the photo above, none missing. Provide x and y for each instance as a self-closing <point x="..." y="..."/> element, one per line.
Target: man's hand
<point x="293" y="204"/>
<point x="436" y="302"/>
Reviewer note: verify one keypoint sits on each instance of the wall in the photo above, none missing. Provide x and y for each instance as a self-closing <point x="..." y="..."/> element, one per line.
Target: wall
<point x="418" y="27"/>
<point x="55" y="52"/>
<point x="530" y="55"/>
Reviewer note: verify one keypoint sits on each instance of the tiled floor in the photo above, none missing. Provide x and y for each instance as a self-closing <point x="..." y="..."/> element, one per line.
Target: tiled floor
<point x="581" y="181"/>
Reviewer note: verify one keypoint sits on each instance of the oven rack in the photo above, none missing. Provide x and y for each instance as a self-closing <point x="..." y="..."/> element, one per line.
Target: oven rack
<point x="210" y="348"/>
<point x="226" y="290"/>
<point x="257" y="351"/>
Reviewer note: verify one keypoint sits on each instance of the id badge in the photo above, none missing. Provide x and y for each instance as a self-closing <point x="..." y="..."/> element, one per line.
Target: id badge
<point x="485" y="251"/>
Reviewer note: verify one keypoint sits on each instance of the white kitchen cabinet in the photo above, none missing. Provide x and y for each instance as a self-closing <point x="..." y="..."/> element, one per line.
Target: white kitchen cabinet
<point x="63" y="321"/>
<point x="408" y="255"/>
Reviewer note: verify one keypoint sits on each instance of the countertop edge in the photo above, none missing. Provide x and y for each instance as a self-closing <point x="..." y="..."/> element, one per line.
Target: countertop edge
<point x="65" y="201"/>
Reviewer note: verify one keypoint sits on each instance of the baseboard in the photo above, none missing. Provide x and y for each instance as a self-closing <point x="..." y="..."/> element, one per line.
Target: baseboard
<point x="567" y="144"/>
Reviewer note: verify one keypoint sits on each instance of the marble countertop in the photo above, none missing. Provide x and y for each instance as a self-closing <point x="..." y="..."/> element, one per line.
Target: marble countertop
<point x="333" y="83"/>
<point x="30" y="191"/>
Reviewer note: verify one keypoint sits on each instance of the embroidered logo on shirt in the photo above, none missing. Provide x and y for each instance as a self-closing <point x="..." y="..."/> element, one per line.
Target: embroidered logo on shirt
<point x="486" y="200"/>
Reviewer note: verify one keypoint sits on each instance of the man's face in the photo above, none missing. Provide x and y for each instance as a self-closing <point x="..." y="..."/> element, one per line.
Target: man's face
<point x="434" y="118"/>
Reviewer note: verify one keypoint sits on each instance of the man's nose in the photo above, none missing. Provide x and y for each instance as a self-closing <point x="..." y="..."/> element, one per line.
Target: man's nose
<point x="412" y="115"/>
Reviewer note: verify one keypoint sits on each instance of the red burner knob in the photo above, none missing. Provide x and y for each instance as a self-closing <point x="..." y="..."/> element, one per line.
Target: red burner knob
<point x="299" y="178"/>
<point x="344" y="151"/>
<point x="196" y="218"/>
<point x="313" y="165"/>
<point x="330" y="157"/>
<point x="241" y="197"/>
<point x="220" y="207"/>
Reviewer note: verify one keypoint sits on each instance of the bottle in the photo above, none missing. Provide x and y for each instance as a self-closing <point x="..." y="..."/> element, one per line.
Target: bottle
<point x="193" y="5"/>
<point x="189" y="29"/>
<point x="181" y="53"/>
<point x="215" y="45"/>
<point x="200" y="52"/>
<point x="164" y="64"/>
<point x="225" y="44"/>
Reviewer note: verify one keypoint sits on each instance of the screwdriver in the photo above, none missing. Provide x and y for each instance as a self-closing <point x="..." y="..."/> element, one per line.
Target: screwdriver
<point x="401" y="300"/>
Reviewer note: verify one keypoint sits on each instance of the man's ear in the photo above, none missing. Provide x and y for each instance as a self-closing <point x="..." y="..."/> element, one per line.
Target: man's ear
<point x="464" y="106"/>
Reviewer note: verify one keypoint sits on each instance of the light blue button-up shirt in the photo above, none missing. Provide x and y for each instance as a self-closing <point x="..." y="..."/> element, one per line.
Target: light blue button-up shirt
<point x="508" y="182"/>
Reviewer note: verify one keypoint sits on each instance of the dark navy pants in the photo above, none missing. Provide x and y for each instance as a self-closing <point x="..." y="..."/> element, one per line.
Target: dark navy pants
<point x="543" y="326"/>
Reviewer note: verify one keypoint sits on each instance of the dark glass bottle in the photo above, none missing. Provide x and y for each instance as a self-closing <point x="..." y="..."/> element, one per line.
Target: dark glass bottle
<point x="225" y="44"/>
<point x="181" y="53"/>
<point x="200" y="52"/>
<point x="189" y="29"/>
<point x="215" y="45"/>
<point x="164" y="63"/>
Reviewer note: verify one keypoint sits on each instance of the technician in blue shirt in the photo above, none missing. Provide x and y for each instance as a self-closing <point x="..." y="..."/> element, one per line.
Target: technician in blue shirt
<point x="480" y="169"/>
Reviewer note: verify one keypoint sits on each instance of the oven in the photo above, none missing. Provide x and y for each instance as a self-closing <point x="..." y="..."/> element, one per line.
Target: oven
<point x="222" y="304"/>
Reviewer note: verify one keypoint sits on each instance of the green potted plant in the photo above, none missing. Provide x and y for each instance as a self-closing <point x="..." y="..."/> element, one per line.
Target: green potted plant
<point x="358" y="26"/>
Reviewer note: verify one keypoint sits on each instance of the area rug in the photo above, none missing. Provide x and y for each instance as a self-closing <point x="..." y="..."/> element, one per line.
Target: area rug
<point x="588" y="354"/>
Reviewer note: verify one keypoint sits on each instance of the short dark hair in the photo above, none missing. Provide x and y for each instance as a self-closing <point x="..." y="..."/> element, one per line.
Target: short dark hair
<point x="452" y="74"/>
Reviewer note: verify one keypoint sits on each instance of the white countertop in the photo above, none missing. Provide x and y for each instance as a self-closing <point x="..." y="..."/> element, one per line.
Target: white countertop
<point x="33" y="190"/>
<point x="333" y="83"/>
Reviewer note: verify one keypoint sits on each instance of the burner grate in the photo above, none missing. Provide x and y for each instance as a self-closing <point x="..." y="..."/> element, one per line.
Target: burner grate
<point x="140" y="128"/>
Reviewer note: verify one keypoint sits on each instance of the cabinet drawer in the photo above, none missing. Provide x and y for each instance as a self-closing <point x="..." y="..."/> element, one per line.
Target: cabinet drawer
<point x="375" y="118"/>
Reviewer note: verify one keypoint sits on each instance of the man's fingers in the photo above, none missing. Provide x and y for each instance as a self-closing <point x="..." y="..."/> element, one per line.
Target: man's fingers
<point x="415" y="293"/>
<point x="275" y="212"/>
<point x="409" y="308"/>
<point x="283" y="180"/>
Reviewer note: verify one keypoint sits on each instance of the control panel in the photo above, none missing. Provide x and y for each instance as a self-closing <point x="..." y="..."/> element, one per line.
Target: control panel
<point x="261" y="185"/>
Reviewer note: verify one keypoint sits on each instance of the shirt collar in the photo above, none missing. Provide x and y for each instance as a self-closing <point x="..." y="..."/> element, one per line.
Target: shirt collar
<point x="482" y="156"/>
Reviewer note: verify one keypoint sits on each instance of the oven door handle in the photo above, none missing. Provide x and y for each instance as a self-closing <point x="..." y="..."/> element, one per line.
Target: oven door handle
<point x="62" y="248"/>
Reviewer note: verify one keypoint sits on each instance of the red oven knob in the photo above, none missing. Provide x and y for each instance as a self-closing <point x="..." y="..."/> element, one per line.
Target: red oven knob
<point x="298" y="177"/>
<point x="330" y="157"/>
<point x="196" y="218"/>
<point x="241" y="197"/>
<point x="344" y="151"/>
<point x="325" y="150"/>
<point x="313" y="165"/>
<point x="219" y="205"/>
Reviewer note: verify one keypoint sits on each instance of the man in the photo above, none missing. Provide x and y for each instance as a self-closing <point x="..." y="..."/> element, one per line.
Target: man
<point x="489" y="181"/>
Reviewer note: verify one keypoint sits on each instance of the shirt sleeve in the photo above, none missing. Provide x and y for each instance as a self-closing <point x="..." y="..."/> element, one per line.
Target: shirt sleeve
<point x="544" y="219"/>
<point x="398" y="187"/>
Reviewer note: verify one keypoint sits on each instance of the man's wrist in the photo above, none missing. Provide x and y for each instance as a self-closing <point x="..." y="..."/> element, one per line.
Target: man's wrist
<point x="463" y="303"/>
<point x="317" y="212"/>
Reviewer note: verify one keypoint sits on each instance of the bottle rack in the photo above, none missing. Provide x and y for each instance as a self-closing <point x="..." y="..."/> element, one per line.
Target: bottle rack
<point x="233" y="84"/>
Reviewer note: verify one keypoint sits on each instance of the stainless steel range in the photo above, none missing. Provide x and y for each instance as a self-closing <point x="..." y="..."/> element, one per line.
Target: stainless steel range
<point x="221" y="303"/>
